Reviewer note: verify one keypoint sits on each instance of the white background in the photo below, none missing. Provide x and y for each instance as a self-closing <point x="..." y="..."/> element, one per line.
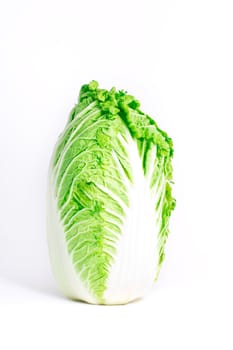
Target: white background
<point x="177" y="58"/>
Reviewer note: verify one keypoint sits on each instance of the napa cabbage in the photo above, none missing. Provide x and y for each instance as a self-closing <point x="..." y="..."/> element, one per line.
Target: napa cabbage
<point x="109" y="199"/>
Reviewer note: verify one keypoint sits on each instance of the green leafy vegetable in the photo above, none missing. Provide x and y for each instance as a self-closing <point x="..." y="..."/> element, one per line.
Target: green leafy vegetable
<point x="110" y="198"/>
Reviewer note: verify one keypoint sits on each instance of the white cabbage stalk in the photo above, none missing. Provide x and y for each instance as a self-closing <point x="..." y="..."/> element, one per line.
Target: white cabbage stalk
<point x="109" y="199"/>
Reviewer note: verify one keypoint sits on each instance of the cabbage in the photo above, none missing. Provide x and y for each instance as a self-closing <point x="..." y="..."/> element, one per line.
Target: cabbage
<point x="109" y="199"/>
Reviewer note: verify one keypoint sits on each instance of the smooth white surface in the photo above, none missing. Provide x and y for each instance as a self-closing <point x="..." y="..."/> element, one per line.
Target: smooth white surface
<point x="176" y="57"/>
<point x="135" y="267"/>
